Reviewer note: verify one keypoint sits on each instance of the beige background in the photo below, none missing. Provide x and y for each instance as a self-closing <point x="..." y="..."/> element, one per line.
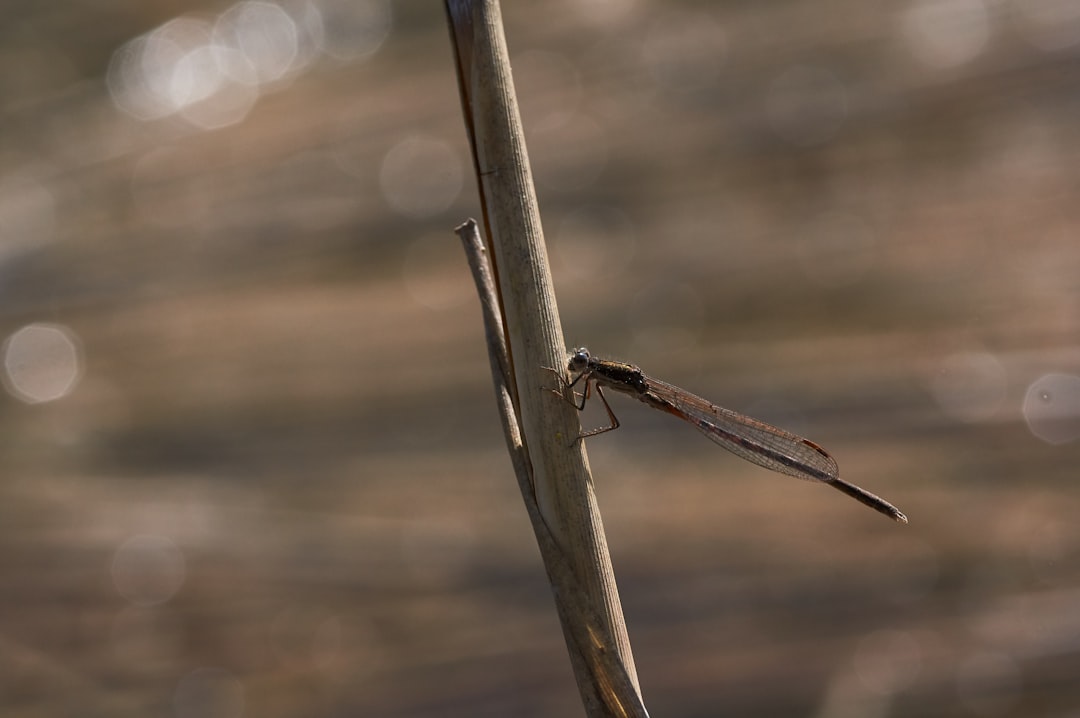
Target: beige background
<point x="268" y="480"/>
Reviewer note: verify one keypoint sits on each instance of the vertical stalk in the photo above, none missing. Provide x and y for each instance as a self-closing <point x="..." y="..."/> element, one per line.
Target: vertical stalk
<point x="567" y="522"/>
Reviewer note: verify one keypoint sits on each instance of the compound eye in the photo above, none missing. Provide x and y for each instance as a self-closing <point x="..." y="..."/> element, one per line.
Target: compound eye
<point x="579" y="359"/>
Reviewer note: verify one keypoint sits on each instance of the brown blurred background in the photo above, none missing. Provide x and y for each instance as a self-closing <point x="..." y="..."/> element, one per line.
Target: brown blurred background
<point x="250" y="463"/>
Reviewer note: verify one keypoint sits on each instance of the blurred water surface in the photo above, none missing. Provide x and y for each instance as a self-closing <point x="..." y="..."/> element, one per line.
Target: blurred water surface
<point x="250" y="463"/>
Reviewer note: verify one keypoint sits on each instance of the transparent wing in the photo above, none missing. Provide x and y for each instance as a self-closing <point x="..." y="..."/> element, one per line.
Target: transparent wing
<point x="750" y="439"/>
<point x="762" y="444"/>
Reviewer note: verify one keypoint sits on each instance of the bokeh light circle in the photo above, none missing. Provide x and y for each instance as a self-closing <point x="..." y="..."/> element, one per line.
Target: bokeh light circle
<point x="1051" y="408"/>
<point x="946" y="33"/>
<point x="42" y="362"/>
<point x="212" y="73"/>
<point x="354" y="29"/>
<point x="264" y="34"/>
<point x="148" y="569"/>
<point x="421" y="176"/>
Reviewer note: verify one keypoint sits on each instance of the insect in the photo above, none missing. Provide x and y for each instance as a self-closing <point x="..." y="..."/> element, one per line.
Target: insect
<point x="750" y="439"/>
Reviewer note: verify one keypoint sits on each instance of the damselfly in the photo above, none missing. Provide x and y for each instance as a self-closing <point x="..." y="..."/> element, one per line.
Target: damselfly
<point x="750" y="439"/>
